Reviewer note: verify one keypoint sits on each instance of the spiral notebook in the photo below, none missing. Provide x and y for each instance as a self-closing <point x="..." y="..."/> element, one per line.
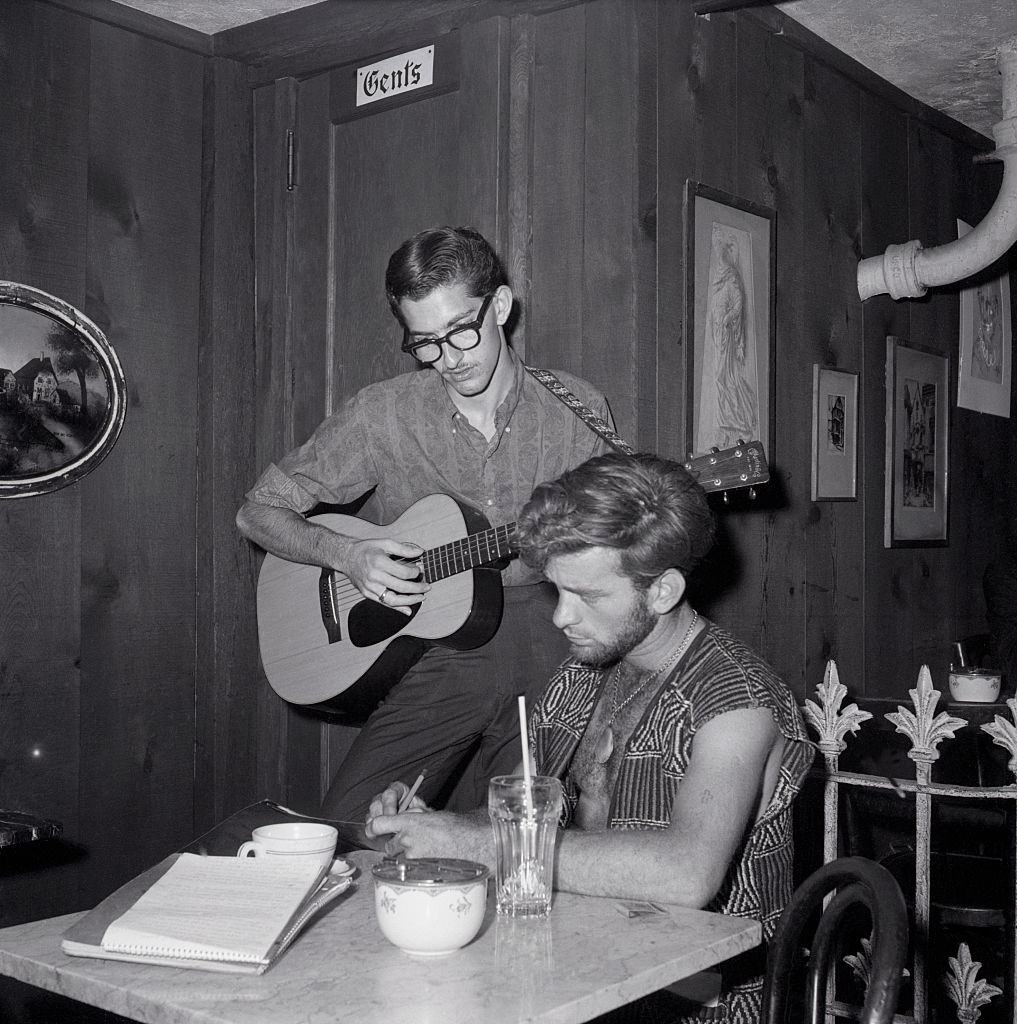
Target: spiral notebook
<point x="209" y="913"/>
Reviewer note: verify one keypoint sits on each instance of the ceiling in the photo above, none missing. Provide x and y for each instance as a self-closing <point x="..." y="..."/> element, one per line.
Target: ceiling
<point x="942" y="52"/>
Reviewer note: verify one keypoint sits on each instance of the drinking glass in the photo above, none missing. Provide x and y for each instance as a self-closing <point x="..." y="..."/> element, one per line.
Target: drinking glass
<point x="525" y="824"/>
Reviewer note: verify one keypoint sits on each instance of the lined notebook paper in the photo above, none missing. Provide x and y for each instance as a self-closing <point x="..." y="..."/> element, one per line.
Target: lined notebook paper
<point x="217" y="913"/>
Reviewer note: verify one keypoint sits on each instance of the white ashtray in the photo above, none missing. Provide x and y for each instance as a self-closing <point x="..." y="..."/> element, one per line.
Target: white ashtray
<point x="974" y="686"/>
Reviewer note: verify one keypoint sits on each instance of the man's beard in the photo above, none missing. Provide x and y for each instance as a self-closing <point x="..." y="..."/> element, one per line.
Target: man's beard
<point x="633" y="631"/>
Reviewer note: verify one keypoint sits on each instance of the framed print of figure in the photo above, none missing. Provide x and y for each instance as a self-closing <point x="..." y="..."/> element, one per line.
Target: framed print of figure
<point x="729" y="320"/>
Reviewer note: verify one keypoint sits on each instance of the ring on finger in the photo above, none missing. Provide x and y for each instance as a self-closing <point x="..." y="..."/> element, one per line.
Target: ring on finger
<point x="381" y="596"/>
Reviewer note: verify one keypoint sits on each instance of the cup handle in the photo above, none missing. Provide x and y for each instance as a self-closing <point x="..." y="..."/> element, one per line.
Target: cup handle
<point x="249" y="847"/>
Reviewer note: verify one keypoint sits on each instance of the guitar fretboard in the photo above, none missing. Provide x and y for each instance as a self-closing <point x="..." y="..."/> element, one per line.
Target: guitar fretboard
<point x="741" y="466"/>
<point x="469" y="552"/>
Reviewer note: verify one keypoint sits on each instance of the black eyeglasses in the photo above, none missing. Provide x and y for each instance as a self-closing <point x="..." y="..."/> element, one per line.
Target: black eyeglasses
<point x="464" y="337"/>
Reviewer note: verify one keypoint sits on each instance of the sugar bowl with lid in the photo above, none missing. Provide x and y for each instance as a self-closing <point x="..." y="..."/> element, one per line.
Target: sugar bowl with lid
<point x="430" y="906"/>
<point x="974" y="685"/>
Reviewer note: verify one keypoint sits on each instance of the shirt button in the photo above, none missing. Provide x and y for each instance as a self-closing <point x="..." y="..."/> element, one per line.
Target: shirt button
<point x="490" y="502"/>
<point x="508" y="430"/>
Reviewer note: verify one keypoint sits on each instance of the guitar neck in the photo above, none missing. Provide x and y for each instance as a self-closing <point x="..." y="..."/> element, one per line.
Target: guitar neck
<point x="743" y="465"/>
<point x="469" y="552"/>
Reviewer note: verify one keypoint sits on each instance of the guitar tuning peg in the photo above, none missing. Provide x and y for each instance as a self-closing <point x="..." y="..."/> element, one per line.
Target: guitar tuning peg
<point x="752" y="494"/>
<point x="727" y="500"/>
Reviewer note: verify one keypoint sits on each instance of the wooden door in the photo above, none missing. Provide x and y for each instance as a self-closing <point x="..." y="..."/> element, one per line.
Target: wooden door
<point x="395" y="167"/>
<point x="352" y="185"/>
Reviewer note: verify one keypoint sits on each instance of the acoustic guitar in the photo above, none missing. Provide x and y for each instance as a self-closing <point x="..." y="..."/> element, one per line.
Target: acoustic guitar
<point x="323" y="643"/>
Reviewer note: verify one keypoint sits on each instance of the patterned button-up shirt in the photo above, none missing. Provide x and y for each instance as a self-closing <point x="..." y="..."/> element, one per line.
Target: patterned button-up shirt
<point x="405" y="438"/>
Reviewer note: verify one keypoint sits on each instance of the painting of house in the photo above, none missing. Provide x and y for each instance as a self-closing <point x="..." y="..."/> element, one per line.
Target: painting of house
<point x="37" y="380"/>
<point x="54" y="395"/>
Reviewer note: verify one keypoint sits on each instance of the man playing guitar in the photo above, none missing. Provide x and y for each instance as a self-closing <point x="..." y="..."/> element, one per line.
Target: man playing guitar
<point x="469" y="422"/>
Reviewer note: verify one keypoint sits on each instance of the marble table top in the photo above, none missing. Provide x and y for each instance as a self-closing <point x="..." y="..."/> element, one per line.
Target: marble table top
<point x="585" y="959"/>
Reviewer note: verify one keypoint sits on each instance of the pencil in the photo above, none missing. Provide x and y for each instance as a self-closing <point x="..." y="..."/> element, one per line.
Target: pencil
<point x="411" y="793"/>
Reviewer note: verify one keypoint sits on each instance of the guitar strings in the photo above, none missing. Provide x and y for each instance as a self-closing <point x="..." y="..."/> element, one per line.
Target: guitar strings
<point x="439" y="563"/>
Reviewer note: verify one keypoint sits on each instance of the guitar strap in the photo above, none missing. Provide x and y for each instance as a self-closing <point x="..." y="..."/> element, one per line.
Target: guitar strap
<point x="584" y="412"/>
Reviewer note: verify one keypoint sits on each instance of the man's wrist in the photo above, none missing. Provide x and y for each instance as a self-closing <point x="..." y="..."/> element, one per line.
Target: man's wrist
<point x="333" y="549"/>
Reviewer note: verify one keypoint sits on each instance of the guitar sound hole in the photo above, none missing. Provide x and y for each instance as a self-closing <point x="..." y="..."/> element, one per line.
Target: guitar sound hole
<point x="371" y="623"/>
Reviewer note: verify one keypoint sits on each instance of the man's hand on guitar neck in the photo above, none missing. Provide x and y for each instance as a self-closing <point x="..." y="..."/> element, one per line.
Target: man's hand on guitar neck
<point x="382" y="569"/>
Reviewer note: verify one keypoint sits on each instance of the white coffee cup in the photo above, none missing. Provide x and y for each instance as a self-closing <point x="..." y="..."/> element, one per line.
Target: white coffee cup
<point x="307" y="840"/>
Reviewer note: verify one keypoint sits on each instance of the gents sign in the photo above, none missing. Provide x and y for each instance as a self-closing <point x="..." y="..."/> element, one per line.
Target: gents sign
<point x="395" y="75"/>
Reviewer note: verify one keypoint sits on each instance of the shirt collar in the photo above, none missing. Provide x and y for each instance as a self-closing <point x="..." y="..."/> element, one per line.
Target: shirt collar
<point x="505" y="411"/>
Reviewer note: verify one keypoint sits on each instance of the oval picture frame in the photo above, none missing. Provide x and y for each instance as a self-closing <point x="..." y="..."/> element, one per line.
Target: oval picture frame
<point x="63" y="396"/>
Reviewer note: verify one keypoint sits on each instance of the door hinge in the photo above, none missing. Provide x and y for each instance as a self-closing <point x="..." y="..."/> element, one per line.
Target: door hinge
<point x="290" y="160"/>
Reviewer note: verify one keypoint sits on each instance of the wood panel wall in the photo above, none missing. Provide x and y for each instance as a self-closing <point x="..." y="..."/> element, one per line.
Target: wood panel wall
<point x="614" y="104"/>
<point x="100" y="204"/>
<point x="133" y="706"/>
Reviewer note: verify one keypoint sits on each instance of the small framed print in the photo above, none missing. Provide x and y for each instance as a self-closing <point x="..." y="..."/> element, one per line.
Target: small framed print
<point x="986" y="344"/>
<point x="834" y="434"/>
<point x="917" y="446"/>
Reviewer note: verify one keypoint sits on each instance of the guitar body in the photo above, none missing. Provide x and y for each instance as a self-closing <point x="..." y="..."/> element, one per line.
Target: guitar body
<point x="323" y="643"/>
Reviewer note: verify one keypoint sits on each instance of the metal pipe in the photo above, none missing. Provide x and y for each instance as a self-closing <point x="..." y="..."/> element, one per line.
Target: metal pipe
<point x="908" y="270"/>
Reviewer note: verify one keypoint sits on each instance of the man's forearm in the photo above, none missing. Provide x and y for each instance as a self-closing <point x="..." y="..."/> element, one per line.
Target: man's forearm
<point x="289" y="535"/>
<point x="636" y="864"/>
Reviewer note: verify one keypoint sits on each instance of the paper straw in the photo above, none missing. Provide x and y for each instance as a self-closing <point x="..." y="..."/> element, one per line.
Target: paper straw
<point x="527" y="781"/>
<point x="525" y="742"/>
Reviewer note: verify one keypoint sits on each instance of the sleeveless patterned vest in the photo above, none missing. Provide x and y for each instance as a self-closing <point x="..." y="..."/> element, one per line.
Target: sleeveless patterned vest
<point x="718" y="674"/>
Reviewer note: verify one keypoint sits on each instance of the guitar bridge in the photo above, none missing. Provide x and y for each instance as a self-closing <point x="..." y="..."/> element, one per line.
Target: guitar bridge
<point x="329" y="612"/>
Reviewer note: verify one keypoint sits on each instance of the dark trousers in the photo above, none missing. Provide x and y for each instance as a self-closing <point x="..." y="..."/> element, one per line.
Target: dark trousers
<point x="451" y="706"/>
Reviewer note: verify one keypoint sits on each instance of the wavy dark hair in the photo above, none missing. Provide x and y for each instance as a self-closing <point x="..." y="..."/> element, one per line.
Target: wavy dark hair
<point x="438" y="257"/>
<point x="650" y="509"/>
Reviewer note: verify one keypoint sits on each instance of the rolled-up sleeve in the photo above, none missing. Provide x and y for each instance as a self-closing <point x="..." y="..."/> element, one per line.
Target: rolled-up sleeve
<point x="336" y="465"/>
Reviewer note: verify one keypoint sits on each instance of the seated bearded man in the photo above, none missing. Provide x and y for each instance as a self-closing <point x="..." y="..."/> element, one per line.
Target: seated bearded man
<point x="679" y="749"/>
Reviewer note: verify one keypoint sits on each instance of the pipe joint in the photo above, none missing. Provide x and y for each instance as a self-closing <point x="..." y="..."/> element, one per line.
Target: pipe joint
<point x="902" y="279"/>
<point x="893" y="273"/>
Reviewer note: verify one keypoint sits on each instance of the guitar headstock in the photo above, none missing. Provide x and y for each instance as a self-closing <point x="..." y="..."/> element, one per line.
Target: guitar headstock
<point x="744" y="465"/>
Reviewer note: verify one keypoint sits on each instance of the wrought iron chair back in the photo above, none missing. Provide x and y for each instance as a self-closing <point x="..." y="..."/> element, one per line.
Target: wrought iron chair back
<point x="856" y="881"/>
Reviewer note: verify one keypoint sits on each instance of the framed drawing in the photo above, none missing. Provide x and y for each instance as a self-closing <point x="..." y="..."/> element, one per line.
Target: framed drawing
<point x="917" y="446"/>
<point x="62" y="393"/>
<point x="730" y="248"/>
<point x="986" y="344"/>
<point x="834" y="434"/>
